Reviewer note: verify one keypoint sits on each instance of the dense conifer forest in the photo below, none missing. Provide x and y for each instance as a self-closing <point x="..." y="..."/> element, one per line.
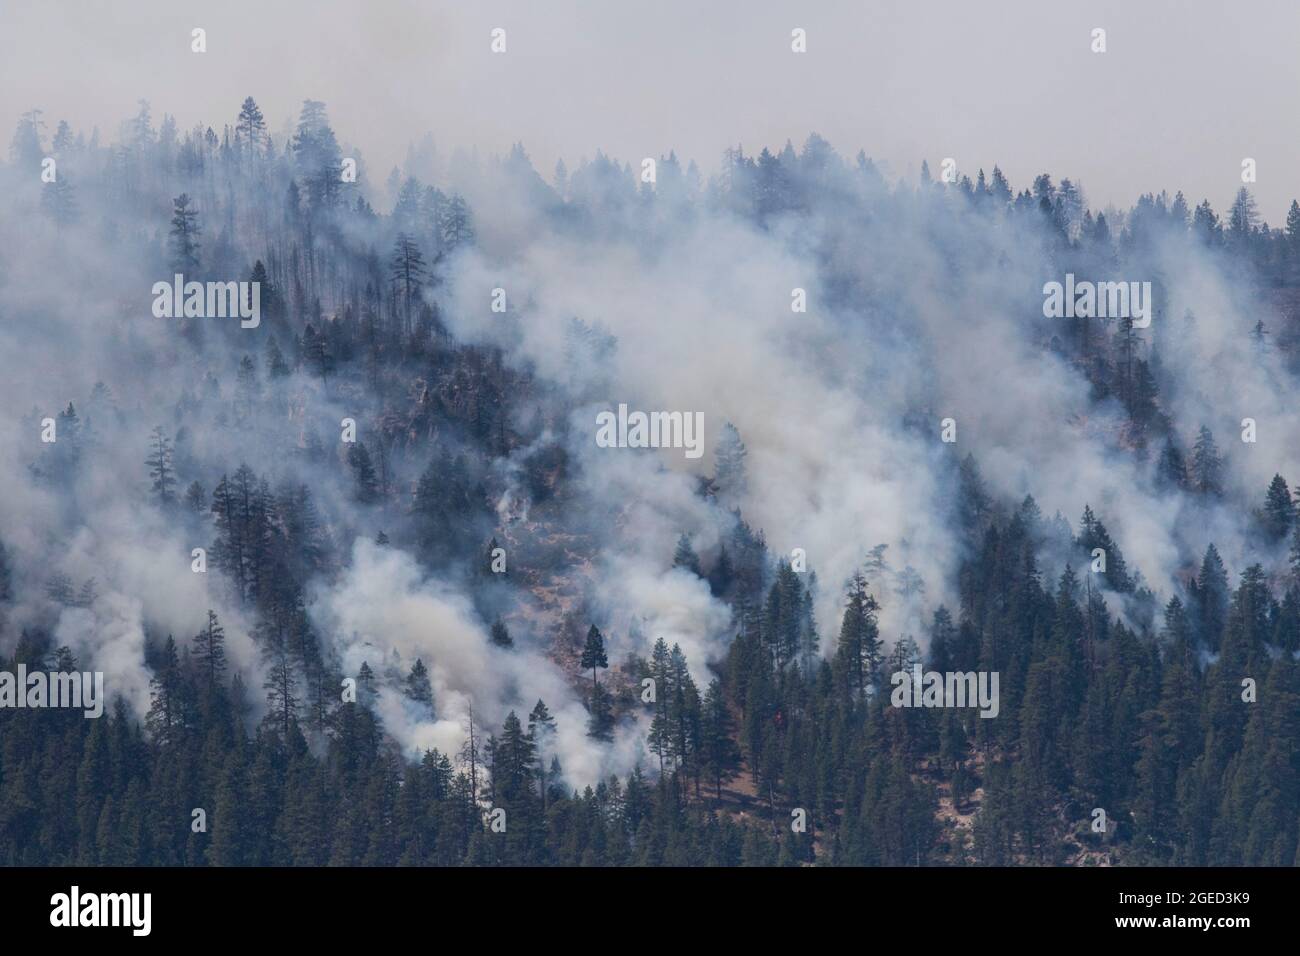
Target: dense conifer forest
<point x="464" y="607"/>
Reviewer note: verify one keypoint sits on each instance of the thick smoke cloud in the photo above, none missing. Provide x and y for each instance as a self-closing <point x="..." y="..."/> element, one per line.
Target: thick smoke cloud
<point x="919" y="309"/>
<point x="387" y="613"/>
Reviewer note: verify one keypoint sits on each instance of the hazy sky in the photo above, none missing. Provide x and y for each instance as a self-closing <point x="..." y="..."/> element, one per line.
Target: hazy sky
<point x="1184" y="92"/>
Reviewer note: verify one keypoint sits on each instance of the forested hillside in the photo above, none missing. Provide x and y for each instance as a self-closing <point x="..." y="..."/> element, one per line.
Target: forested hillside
<point x="359" y="577"/>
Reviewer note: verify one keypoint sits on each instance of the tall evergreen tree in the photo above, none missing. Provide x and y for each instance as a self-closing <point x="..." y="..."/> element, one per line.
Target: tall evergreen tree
<point x="184" y="239"/>
<point x="159" y="462"/>
<point x="210" y="651"/>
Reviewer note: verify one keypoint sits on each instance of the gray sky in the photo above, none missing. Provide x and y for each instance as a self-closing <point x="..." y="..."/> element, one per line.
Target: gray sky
<point x="1184" y="92"/>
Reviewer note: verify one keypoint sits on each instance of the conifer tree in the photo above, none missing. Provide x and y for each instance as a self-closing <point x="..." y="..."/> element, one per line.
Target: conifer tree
<point x="501" y="634"/>
<point x="167" y="719"/>
<point x="159" y="462"/>
<point x="418" y="686"/>
<point x="1211" y="598"/>
<point x="366" y="485"/>
<point x="593" y="653"/>
<point x="210" y="651"/>
<point x="718" y="754"/>
<point x="858" y="654"/>
<point x="542" y="731"/>
<point x="684" y="556"/>
<point x="729" y="471"/>
<point x="1172" y="468"/>
<point x="196" y="499"/>
<point x="1278" y="514"/>
<point x="184" y="239"/>
<point x="250" y="129"/>
<point x="1207" y="466"/>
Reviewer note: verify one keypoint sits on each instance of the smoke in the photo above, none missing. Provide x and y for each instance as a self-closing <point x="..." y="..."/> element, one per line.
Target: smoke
<point x="703" y="322"/>
<point x="386" y="612"/>
<point x="920" y="308"/>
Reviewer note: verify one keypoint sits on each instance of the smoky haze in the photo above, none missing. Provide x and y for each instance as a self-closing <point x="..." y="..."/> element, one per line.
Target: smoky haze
<point x="1182" y="95"/>
<point x="920" y="308"/>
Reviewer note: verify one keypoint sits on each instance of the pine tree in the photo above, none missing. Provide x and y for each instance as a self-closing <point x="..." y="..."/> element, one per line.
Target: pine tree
<point x="167" y="719"/>
<point x="720" y="575"/>
<point x="685" y="712"/>
<point x="943" y="636"/>
<point x="469" y="757"/>
<point x="184" y="235"/>
<point x="1211" y="598"/>
<point x="513" y="762"/>
<point x="1092" y="536"/>
<point x="718" y="754"/>
<point x="25" y="149"/>
<point x="196" y="499"/>
<point x="1278" y="514"/>
<point x="1243" y="218"/>
<point x="159" y="463"/>
<point x="542" y="731"/>
<point x="729" y="471"/>
<point x="317" y="154"/>
<point x="210" y="651"/>
<point x="685" y="557"/>
<point x="593" y="657"/>
<point x="659" y="738"/>
<point x="501" y="634"/>
<point x="276" y="365"/>
<point x="281" y="685"/>
<point x="315" y="352"/>
<point x="59" y="202"/>
<point x="247" y="388"/>
<point x="858" y="654"/>
<point x="999" y="188"/>
<point x="455" y="227"/>
<point x="600" y="723"/>
<point x="593" y="653"/>
<point x="366" y="485"/>
<point x="972" y="497"/>
<point x="1295" y="550"/>
<point x="418" y="686"/>
<point x="1205" y="224"/>
<point x="1292" y="240"/>
<point x="408" y="274"/>
<point x="67" y="449"/>
<point x="1171" y="471"/>
<point x="1207" y="466"/>
<point x="250" y="129"/>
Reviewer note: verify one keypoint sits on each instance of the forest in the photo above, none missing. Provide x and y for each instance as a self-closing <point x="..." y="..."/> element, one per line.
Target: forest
<point x="367" y="591"/>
